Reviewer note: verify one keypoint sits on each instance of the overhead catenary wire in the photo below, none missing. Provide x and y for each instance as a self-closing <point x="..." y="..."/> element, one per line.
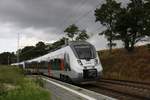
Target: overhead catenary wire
<point x="77" y="19"/>
<point x="79" y="6"/>
<point x="85" y="14"/>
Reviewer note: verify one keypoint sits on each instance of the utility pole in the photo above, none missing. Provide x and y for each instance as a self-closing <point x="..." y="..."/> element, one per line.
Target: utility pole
<point x="18" y="40"/>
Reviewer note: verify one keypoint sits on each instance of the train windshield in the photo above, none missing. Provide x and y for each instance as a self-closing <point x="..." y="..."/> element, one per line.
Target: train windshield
<point x="84" y="51"/>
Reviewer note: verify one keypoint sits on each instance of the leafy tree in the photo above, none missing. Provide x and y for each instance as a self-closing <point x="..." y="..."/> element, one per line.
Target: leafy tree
<point x="107" y="15"/>
<point x="147" y="17"/>
<point x="130" y="24"/>
<point x="71" y="31"/>
<point x="40" y="45"/>
<point x="27" y="53"/>
<point x="59" y="43"/>
<point x="7" y="58"/>
<point x="40" y="49"/>
<point x="82" y="35"/>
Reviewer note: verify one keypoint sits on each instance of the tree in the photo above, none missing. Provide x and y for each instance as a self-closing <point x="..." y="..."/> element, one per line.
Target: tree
<point x="59" y="43"/>
<point x="27" y="53"/>
<point x="107" y="15"/>
<point x="30" y="52"/>
<point x="7" y="58"/>
<point x="71" y="31"/>
<point x="147" y="17"/>
<point x="40" y="45"/>
<point x="130" y="24"/>
<point x="40" y="49"/>
<point x="82" y="35"/>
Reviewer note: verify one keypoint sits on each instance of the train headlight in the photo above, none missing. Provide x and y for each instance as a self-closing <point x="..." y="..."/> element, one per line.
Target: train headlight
<point x="96" y="61"/>
<point x="79" y="62"/>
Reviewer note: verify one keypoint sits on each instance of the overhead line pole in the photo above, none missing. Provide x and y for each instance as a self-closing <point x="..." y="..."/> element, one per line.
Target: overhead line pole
<point x="18" y="52"/>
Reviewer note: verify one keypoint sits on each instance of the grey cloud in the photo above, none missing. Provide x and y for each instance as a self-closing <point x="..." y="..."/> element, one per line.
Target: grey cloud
<point x="46" y="19"/>
<point x="45" y="14"/>
<point x="40" y="13"/>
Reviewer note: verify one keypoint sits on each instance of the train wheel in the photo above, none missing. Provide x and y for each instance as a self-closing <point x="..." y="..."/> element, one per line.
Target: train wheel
<point x="65" y="78"/>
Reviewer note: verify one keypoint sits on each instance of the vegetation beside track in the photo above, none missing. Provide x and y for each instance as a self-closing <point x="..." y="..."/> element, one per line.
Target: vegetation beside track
<point x="123" y="65"/>
<point x="15" y="86"/>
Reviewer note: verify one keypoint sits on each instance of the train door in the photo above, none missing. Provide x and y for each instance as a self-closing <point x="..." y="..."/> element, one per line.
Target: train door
<point x="67" y="62"/>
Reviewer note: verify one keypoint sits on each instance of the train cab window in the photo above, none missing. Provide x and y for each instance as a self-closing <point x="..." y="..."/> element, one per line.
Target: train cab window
<point x="84" y="51"/>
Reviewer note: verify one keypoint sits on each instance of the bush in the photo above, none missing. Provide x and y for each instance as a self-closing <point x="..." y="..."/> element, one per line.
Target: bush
<point x="15" y="86"/>
<point x="126" y="66"/>
<point x="39" y="81"/>
<point x="10" y="75"/>
<point x="26" y="91"/>
<point x="2" y="89"/>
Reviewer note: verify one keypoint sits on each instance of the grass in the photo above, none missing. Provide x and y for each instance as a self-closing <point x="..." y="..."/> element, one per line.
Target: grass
<point x="127" y="66"/>
<point x="9" y="74"/>
<point x="15" y="86"/>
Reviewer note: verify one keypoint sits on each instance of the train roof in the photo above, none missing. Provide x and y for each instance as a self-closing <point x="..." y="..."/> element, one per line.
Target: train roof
<point x="44" y="57"/>
<point x="78" y="43"/>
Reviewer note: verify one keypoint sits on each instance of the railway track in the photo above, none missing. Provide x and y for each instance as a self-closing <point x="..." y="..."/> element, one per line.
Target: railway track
<point x="120" y="89"/>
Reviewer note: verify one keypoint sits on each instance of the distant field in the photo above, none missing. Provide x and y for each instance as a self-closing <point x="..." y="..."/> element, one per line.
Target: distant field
<point x="127" y="66"/>
<point x="15" y="86"/>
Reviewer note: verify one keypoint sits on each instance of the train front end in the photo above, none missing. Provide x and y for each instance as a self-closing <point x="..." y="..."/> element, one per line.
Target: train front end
<point x="86" y="63"/>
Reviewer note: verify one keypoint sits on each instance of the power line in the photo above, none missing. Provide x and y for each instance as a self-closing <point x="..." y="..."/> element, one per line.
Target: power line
<point x="87" y="13"/>
<point x="75" y="22"/>
<point x="71" y="15"/>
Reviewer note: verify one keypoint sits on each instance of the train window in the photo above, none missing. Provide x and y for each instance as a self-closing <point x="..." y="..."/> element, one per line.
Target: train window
<point x="43" y="65"/>
<point x="55" y="64"/>
<point x="46" y="65"/>
<point x="33" y="64"/>
<point x="84" y="51"/>
<point x="28" y="65"/>
<point x="52" y="64"/>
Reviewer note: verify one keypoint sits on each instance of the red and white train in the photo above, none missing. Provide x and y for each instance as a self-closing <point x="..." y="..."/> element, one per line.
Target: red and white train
<point x="77" y="62"/>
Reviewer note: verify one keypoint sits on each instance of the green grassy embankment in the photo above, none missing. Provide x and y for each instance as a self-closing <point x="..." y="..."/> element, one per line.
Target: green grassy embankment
<point x="126" y="66"/>
<point x="15" y="86"/>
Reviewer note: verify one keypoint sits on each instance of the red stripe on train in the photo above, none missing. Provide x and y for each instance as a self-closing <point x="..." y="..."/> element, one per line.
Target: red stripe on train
<point x="62" y="64"/>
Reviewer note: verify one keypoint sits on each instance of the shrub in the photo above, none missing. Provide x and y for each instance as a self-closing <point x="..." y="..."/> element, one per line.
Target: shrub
<point x="2" y="89"/>
<point x="11" y="75"/>
<point x="126" y="66"/>
<point x="39" y="81"/>
<point x="26" y="91"/>
<point x="15" y="86"/>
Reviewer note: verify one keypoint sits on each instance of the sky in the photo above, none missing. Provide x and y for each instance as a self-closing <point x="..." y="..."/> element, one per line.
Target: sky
<point x="45" y="20"/>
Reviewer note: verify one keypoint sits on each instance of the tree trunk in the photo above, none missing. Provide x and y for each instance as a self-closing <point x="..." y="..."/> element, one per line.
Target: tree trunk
<point x="110" y="46"/>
